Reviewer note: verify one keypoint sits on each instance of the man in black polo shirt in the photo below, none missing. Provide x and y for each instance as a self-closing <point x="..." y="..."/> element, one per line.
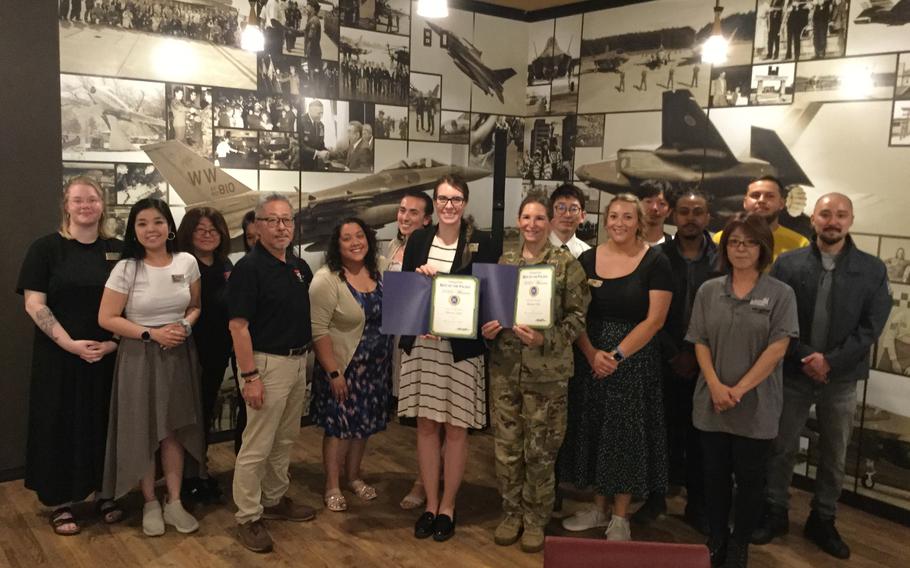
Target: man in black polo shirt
<point x="269" y="305"/>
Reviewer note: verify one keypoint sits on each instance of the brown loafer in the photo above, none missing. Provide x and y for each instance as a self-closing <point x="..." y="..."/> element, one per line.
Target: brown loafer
<point x="287" y="510"/>
<point x="254" y="536"/>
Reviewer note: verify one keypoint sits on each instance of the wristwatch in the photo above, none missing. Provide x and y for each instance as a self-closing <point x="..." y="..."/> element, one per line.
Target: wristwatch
<point x="617" y="355"/>
<point x="146" y="335"/>
<point x="186" y="326"/>
<point x="334" y="375"/>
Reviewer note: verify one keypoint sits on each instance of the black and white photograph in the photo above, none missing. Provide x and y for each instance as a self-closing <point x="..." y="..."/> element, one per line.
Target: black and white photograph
<point x="876" y="26"/>
<point x="483" y="127"/>
<point x="236" y="148"/>
<point x="251" y="110"/>
<point x="103" y="173"/>
<point x="107" y="119"/>
<point x="592" y="198"/>
<point x="900" y="124"/>
<point x="138" y="181"/>
<point x="425" y="106"/>
<point x="537" y="99"/>
<point x="894" y="253"/>
<point x="391" y="122"/>
<point x="355" y="149"/>
<point x="772" y="84"/>
<point x="455" y="127"/>
<point x="388" y="16"/>
<point x="846" y="79"/>
<point x="549" y="148"/>
<point x="902" y="82"/>
<point x="183" y="42"/>
<point x="324" y="126"/>
<point x="310" y="30"/>
<point x="631" y="55"/>
<point x="791" y="30"/>
<point x="730" y="86"/>
<point x="589" y="130"/>
<point x="116" y="220"/>
<point x="374" y="66"/>
<point x="562" y="61"/>
<point x="893" y="352"/>
<point x="498" y="75"/>
<point x="189" y="115"/>
<point x="294" y="76"/>
<point x="279" y="151"/>
<point x="429" y="53"/>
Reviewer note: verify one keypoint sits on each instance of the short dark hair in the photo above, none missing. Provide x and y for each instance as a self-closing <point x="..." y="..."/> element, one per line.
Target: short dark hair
<point x="538" y="199"/>
<point x="333" y="252"/>
<point x="774" y="179"/>
<point x="427" y="200"/>
<point x="132" y="248"/>
<point x="755" y="227"/>
<point x="650" y="188"/>
<point x="455" y="181"/>
<point x="690" y="192"/>
<point x="567" y="191"/>
<point x="191" y="220"/>
<point x="248" y="219"/>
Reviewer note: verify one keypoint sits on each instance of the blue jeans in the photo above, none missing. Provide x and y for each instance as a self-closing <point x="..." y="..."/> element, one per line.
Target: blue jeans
<point x="835" y="405"/>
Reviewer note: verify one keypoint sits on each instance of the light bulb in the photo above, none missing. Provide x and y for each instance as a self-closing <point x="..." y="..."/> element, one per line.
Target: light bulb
<point x="433" y="8"/>
<point x="714" y="50"/>
<point x="252" y="39"/>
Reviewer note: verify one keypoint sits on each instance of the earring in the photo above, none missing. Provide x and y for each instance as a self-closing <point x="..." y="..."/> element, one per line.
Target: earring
<point x="171" y="236"/>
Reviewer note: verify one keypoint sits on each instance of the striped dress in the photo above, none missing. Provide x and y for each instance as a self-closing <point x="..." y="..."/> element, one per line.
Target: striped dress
<point x="432" y="384"/>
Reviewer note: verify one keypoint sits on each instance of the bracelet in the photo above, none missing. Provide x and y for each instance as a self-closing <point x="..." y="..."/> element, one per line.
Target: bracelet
<point x="248" y="380"/>
<point x="249" y="373"/>
<point x="115" y="339"/>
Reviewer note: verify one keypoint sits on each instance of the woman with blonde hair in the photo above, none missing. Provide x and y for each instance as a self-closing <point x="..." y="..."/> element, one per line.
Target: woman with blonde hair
<point x="62" y="279"/>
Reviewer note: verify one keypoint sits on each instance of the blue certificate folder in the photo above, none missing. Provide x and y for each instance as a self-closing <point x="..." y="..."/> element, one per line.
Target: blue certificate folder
<point x="498" y="285"/>
<point x="405" y="303"/>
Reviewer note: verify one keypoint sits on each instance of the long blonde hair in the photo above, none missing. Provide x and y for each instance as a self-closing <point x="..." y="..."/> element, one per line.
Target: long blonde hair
<point x="639" y="210"/>
<point x="65" y="216"/>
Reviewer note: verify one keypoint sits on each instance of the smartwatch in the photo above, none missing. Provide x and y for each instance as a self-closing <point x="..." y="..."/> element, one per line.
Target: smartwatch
<point x="334" y="374"/>
<point x="186" y="326"/>
<point x="617" y="355"/>
<point x="146" y="335"/>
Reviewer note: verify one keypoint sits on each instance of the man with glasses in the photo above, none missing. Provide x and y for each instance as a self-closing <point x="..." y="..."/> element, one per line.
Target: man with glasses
<point x="843" y="302"/>
<point x="567" y="203"/>
<point x="269" y="306"/>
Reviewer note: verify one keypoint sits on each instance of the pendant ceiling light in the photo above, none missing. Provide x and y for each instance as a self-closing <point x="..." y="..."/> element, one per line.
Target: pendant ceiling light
<point x="433" y="8"/>
<point x="251" y="39"/>
<point x="714" y="50"/>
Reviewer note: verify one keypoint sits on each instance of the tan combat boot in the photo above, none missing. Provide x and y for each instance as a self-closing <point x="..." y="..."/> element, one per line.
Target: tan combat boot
<point x="508" y="530"/>
<point x="532" y="539"/>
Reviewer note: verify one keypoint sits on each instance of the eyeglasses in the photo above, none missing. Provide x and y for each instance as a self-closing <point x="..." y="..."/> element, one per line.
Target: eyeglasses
<point x="203" y="232"/>
<point x="456" y="201"/>
<point x="562" y="209"/>
<point x="747" y="243"/>
<point x="273" y="222"/>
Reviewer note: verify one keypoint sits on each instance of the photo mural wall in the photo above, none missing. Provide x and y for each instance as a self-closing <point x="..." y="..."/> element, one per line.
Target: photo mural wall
<point x="815" y="91"/>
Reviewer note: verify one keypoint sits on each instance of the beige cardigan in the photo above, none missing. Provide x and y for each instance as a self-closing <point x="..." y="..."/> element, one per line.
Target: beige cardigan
<point x="335" y="312"/>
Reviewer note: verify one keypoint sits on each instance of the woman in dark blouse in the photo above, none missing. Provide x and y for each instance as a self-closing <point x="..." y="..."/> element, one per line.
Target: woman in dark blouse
<point x="62" y="279"/>
<point x="615" y="439"/>
<point x="204" y="233"/>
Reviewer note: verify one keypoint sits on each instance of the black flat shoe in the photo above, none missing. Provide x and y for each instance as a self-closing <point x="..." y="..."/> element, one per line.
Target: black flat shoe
<point x="443" y="527"/>
<point x="423" y="528"/>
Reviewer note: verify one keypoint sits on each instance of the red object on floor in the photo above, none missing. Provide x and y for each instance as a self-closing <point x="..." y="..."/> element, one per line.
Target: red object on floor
<point x="566" y="552"/>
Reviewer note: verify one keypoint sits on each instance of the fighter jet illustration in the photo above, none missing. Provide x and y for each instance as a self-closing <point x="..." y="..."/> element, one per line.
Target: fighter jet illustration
<point x="694" y="153"/>
<point x="467" y="58"/>
<point x="348" y="50"/>
<point x="373" y="198"/>
<point x="94" y="100"/>
<point x="884" y="12"/>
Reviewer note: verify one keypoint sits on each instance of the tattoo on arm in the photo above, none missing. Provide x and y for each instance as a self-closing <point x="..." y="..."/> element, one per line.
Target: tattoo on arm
<point x="46" y="321"/>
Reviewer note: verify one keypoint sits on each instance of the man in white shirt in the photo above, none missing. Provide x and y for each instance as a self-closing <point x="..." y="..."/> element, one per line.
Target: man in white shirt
<point x="567" y="207"/>
<point x="272" y="20"/>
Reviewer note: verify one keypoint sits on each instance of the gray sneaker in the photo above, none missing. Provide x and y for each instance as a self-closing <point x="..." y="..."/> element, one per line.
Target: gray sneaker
<point x="585" y="519"/>
<point x="619" y="529"/>
<point x="176" y="516"/>
<point x="254" y="536"/>
<point x="152" y="521"/>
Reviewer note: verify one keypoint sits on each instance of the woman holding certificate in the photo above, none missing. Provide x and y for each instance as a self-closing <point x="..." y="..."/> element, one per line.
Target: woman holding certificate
<point x="442" y="380"/>
<point x="615" y="438"/>
<point x="530" y="370"/>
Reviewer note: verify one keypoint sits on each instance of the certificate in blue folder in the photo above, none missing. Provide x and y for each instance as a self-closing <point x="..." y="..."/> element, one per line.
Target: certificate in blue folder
<point x="405" y="303"/>
<point x="498" y="283"/>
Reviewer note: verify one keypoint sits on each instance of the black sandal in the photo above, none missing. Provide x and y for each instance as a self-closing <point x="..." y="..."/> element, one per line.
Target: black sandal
<point x="64" y="516"/>
<point x="110" y="511"/>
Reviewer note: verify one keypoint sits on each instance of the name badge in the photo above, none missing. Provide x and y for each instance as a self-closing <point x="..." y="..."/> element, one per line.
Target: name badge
<point x="760" y="302"/>
<point x="112" y="256"/>
<point x="178" y="278"/>
<point x="595" y="283"/>
<point x="298" y="275"/>
<point x="473" y="247"/>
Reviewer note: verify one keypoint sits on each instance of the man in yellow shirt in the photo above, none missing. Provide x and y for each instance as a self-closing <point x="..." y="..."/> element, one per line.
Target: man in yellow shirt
<point x="764" y="197"/>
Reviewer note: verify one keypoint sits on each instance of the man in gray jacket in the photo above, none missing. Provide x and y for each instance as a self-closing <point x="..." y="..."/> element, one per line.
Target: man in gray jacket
<point x="843" y="300"/>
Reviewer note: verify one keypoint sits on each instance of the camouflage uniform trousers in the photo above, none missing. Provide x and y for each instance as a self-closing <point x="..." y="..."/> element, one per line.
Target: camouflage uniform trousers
<point x="529" y="423"/>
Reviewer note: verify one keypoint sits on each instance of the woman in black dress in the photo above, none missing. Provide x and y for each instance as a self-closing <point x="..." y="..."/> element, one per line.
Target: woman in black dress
<point x="62" y="279"/>
<point x="204" y="234"/>
<point x="615" y="439"/>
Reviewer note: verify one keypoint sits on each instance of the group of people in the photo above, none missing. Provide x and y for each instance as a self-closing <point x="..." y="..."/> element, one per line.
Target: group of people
<point x="693" y="359"/>
<point x="235" y="110"/>
<point x="171" y="17"/>
<point x="374" y="82"/>
<point x="425" y="111"/>
<point x="389" y="127"/>
<point x="794" y="16"/>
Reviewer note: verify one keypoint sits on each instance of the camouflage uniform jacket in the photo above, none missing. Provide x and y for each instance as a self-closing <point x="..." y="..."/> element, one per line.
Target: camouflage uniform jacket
<point x="553" y="361"/>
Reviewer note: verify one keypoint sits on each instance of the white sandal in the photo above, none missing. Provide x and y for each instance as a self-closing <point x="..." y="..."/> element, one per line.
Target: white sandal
<point x="335" y="501"/>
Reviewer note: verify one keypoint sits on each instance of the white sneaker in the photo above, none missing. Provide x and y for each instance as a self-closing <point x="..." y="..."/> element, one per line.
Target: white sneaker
<point x="585" y="519"/>
<point x="618" y="529"/>
<point x="152" y="520"/>
<point x="176" y="515"/>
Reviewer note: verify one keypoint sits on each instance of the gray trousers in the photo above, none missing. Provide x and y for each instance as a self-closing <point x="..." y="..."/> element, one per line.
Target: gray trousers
<point x="835" y="405"/>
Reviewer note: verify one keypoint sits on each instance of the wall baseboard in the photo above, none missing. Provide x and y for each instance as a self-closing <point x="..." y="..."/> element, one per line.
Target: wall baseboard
<point x="861" y="502"/>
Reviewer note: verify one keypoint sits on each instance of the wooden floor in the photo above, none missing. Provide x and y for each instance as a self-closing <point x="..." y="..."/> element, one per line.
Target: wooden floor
<point x="377" y="533"/>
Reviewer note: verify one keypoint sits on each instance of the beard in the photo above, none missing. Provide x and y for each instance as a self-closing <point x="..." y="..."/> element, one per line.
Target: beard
<point x="831" y="239"/>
